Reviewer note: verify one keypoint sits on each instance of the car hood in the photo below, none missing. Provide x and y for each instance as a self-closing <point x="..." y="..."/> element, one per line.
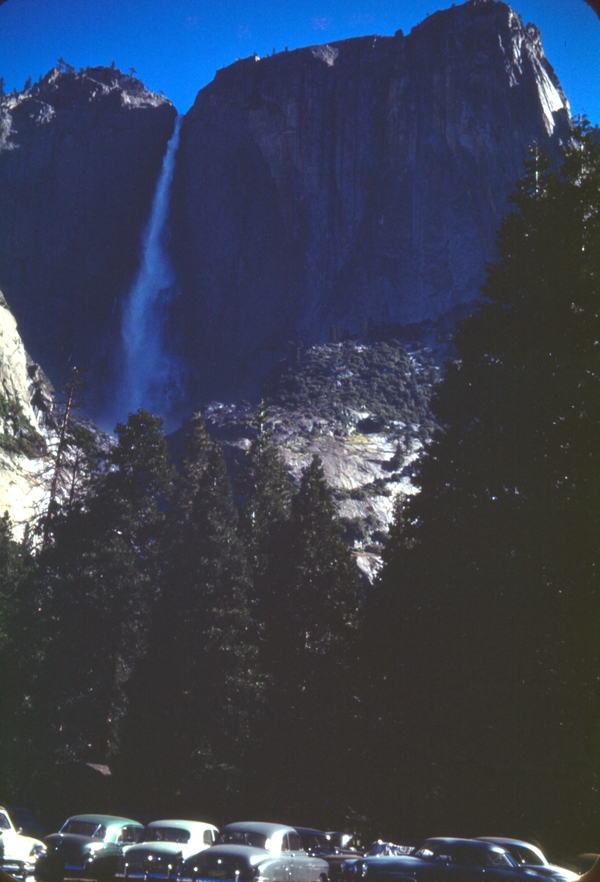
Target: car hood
<point x="73" y="838"/>
<point x="382" y="863"/>
<point x="162" y="848"/>
<point x="247" y="853"/>
<point x="10" y="836"/>
<point x="552" y="871"/>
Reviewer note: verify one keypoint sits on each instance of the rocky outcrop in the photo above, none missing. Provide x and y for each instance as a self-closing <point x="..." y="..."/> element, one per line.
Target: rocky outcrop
<point x="79" y="157"/>
<point x="362" y="180"/>
<point x="363" y="409"/>
<point x="26" y="427"/>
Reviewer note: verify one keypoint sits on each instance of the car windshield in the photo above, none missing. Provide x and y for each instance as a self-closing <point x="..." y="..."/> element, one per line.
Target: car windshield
<point x="314" y="842"/>
<point x="524" y="855"/>
<point x="500" y="859"/>
<point x="4" y="822"/>
<point x="166" y="834"/>
<point x="424" y="852"/>
<point x="84" y="828"/>
<point x="243" y="837"/>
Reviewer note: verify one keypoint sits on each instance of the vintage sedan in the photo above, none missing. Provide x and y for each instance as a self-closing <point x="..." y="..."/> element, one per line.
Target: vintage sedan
<point x="528" y="855"/>
<point x="450" y="860"/>
<point x="18" y="853"/>
<point x="316" y="842"/>
<point x="163" y="847"/>
<point x="255" y="852"/>
<point x="87" y="846"/>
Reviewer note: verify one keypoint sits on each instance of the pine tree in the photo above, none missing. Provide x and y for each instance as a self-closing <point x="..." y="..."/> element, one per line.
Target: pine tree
<point x="491" y="602"/>
<point x="18" y="659"/>
<point x="201" y="668"/>
<point x="101" y="579"/>
<point x="266" y="491"/>
<point x="310" y="623"/>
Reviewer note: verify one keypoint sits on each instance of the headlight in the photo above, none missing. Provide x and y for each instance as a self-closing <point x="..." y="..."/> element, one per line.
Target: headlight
<point x="93" y="847"/>
<point x="38" y="850"/>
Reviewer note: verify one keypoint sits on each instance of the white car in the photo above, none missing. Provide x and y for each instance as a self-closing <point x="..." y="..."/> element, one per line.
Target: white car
<point x="18" y="853"/>
<point x="163" y="847"/>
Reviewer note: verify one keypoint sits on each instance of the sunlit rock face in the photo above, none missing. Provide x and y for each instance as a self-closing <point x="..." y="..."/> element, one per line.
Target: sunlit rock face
<point x="24" y="387"/>
<point x="363" y="180"/>
<point x="79" y="157"/>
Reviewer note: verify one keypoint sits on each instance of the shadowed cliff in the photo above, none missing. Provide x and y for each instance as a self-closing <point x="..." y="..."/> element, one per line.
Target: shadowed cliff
<point x="79" y="157"/>
<point x="362" y="180"/>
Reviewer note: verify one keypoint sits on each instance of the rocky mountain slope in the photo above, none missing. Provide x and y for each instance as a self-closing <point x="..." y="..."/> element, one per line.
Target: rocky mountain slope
<point x="349" y="184"/>
<point x="363" y="408"/>
<point x="353" y="182"/>
<point x="79" y="157"/>
<point x="26" y="427"/>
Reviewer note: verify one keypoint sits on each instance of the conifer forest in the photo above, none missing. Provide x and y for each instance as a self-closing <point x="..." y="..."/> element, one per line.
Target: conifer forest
<point x="209" y="639"/>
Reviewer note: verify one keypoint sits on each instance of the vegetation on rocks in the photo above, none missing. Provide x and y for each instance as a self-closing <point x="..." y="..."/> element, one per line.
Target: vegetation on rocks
<point x="17" y="435"/>
<point x="392" y="385"/>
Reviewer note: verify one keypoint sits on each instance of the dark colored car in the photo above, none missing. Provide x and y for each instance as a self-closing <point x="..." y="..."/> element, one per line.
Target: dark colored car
<point x="347" y="841"/>
<point x="87" y="846"/>
<point x="450" y="860"/>
<point x="252" y="851"/>
<point x="528" y="855"/>
<point x="351" y="869"/>
<point x="315" y="842"/>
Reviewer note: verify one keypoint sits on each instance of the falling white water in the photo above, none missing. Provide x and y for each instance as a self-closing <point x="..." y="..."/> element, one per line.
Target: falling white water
<point x="151" y="374"/>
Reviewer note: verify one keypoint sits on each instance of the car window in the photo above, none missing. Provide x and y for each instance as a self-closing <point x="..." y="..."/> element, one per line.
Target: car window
<point x="285" y="845"/>
<point x="526" y="856"/>
<point x="129" y="834"/>
<point x="295" y="842"/>
<point x="424" y="852"/>
<point x="100" y="832"/>
<point x="4" y="822"/>
<point x="499" y="859"/>
<point x="83" y="828"/>
<point x="208" y="837"/>
<point x="311" y="842"/>
<point x="467" y="857"/>
<point x="166" y="834"/>
<point x="243" y="837"/>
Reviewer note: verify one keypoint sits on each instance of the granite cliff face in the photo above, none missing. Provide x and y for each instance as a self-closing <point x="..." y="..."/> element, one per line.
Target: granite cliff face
<point x="27" y="428"/>
<point x="353" y="185"/>
<point x="79" y="156"/>
<point x="353" y="182"/>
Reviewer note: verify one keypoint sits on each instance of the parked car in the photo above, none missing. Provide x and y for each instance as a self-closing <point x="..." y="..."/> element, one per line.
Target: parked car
<point x="351" y="869"/>
<point x="319" y="844"/>
<point x="347" y="841"/>
<point x="163" y="847"/>
<point x="18" y="853"/>
<point x="451" y="860"/>
<point x="87" y="846"/>
<point x="255" y="852"/>
<point x="528" y="855"/>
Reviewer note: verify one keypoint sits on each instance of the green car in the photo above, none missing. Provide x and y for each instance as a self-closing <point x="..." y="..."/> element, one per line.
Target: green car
<point x="87" y="846"/>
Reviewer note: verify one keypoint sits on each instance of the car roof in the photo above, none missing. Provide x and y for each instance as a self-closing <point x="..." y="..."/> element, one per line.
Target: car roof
<point x="266" y="829"/>
<point x="310" y="830"/>
<point x="186" y="825"/>
<point x="454" y="840"/>
<point x="501" y="840"/>
<point x="106" y="820"/>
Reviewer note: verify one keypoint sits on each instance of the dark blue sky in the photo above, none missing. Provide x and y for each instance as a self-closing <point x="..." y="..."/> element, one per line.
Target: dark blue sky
<point x="176" y="45"/>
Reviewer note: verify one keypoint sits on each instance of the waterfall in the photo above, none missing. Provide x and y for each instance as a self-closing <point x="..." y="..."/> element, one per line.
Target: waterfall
<point x="151" y="374"/>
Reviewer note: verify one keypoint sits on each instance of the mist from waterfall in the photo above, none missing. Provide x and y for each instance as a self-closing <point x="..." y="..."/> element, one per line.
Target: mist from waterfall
<point x="152" y="375"/>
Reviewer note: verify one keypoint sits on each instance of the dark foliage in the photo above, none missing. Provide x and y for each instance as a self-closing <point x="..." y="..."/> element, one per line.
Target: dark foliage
<point x="488" y="605"/>
<point x="390" y="382"/>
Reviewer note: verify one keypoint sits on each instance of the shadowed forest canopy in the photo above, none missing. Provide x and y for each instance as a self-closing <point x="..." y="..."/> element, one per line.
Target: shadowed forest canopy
<point x="218" y="652"/>
<point x="488" y="607"/>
